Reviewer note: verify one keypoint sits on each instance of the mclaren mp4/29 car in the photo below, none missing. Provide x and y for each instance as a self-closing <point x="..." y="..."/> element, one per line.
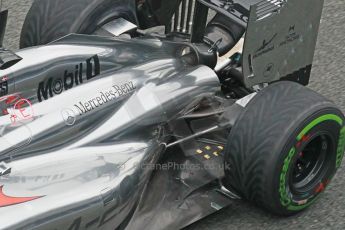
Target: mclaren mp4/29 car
<point x="106" y="122"/>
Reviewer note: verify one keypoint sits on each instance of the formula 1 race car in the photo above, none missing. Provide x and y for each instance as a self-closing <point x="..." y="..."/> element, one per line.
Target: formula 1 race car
<point x="125" y="114"/>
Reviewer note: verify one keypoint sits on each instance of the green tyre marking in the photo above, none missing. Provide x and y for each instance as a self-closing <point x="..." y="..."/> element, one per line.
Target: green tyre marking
<point x="317" y="121"/>
<point x="285" y="200"/>
<point x="284" y="197"/>
<point x="341" y="147"/>
<point x="300" y="207"/>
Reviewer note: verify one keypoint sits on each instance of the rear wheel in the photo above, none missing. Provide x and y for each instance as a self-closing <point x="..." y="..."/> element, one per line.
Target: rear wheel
<point x="48" y="20"/>
<point x="285" y="148"/>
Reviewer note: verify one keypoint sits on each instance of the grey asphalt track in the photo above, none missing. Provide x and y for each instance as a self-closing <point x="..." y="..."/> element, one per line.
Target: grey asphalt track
<point x="327" y="78"/>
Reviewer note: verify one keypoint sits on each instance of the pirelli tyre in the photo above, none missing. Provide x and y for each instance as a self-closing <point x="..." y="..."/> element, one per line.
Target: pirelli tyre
<point x="285" y="148"/>
<point x="48" y="20"/>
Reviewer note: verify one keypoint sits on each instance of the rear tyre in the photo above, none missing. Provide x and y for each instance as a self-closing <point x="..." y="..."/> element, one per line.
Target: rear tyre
<point x="285" y="148"/>
<point x="48" y="20"/>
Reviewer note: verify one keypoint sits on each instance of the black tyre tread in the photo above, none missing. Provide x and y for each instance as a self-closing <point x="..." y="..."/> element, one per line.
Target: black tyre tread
<point x="48" y="20"/>
<point x="259" y="130"/>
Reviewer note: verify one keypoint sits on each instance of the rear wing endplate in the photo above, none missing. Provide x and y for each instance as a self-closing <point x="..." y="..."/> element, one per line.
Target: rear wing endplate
<point x="280" y="41"/>
<point x="280" y="37"/>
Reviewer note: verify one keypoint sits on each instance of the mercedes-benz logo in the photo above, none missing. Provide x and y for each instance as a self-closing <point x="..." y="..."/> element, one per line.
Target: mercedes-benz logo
<point x="68" y="116"/>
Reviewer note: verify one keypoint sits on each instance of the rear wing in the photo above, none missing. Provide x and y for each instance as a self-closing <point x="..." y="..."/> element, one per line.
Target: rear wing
<point x="280" y="37"/>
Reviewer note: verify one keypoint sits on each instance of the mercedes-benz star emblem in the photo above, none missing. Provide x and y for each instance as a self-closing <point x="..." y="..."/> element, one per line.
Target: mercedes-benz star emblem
<point x="68" y="116"/>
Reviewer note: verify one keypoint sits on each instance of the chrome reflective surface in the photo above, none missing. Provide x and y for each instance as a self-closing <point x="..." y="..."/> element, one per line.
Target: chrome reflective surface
<point x="82" y="120"/>
<point x="119" y="26"/>
<point x="100" y="133"/>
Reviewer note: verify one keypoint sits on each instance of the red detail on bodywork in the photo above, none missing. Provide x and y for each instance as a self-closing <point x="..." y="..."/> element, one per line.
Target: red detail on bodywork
<point x="27" y="111"/>
<point x="11" y="99"/>
<point x="320" y="188"/>
<point x="9" y="200"/>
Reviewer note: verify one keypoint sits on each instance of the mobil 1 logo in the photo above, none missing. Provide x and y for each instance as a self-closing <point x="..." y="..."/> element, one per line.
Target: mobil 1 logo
<point x="55" y="86"/>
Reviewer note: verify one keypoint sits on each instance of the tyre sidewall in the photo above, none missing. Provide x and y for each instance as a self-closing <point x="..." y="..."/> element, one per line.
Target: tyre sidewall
<point x="263" y="136"/>
<point x="282" y="194"/>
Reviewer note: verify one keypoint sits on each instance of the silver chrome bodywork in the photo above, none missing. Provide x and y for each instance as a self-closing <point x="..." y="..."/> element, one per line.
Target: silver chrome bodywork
<point x="87" y="172"/>
<point x="98" y="132"/>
